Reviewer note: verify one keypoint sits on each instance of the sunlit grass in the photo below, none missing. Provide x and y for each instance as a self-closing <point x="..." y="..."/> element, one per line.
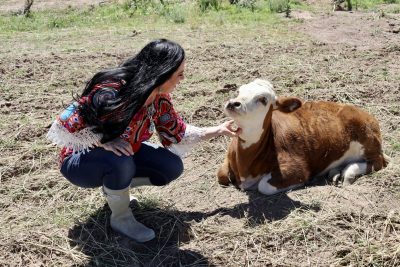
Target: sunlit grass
<point x="122" y="15"/>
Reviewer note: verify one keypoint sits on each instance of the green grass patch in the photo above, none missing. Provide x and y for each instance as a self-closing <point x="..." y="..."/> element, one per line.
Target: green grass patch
<point x="57" y="19"/>
<point x="396" y="146"/>
<point x="135" y="13"/>
<point x="8" y="144"/>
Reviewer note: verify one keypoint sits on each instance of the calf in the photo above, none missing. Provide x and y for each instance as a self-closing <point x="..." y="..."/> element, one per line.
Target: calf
<point x="284" y="142"/>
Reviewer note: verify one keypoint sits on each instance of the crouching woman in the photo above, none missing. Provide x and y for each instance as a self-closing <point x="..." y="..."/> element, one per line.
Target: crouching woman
<point x="103" y="132"/>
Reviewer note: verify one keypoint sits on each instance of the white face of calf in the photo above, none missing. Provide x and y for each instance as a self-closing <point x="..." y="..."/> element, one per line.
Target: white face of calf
<point x="249" y="109"/>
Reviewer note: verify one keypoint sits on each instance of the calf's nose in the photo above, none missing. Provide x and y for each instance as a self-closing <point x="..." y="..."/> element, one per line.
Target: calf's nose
<point x="233" y="104"/>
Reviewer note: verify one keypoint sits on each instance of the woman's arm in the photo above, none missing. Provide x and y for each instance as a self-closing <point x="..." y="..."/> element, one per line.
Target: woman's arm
<point x="70" y="131"/>
<point x="226" y="128"/>
<point x="180" y="137"/>
<point x="194" y="135"/>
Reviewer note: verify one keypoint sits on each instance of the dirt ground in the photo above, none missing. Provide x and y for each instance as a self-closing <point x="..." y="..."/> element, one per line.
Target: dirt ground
<point x="345" y="57"/>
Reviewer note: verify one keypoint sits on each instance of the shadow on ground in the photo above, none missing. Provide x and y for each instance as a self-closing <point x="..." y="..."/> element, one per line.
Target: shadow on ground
<point x="262" y="209"/>
<point x="103" y="247"/>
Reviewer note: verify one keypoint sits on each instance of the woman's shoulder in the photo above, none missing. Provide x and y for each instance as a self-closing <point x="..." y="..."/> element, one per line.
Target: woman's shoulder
<point x="164" y="96"/>
<point x="163" y="101"/>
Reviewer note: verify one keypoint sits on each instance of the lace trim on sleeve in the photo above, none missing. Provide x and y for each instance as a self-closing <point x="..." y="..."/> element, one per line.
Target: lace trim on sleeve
<point x="78" y="141"/>
<point x="193" y="135"/>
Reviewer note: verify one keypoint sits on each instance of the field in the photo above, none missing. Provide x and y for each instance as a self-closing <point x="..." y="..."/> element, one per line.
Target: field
<point x="348" y="57"/>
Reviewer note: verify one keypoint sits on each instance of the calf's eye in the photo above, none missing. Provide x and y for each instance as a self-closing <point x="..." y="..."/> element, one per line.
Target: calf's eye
<point x="263" y="100"/>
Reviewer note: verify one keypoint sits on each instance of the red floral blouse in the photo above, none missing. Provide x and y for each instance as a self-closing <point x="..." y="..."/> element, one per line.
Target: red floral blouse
<point x="70" y="130"/>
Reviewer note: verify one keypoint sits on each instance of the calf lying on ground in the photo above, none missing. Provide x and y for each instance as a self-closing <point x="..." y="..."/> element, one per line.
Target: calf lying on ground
<point x="283" y="142"/>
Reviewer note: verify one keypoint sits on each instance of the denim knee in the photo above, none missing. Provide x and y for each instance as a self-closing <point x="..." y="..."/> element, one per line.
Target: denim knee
<point x="119" y="171"/>
<point x="177" y="170"/>
<point x="165" y="176"/>
<point x="77" y="178"/>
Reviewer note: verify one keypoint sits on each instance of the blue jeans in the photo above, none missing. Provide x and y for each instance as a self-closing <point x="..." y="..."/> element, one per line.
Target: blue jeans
<point x="101" y="167"/>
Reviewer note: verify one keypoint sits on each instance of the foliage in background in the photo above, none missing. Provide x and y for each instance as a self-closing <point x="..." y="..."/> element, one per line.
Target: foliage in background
<point x="129" y="12"/>
<point x="177" y="11"/>
<point x="244" y="3"/>
<point x="209" y="4"/>
<point x="279" y="5"/>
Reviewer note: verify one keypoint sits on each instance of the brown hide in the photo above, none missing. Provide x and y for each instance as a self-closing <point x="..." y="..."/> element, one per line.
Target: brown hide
<point x="260" y="157"/>
<point x="256" y="159"/>
<point x="298" y="145"/>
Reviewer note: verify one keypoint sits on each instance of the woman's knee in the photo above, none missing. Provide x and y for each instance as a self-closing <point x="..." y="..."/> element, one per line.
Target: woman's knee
<point x="99" y="167"/>
<point x="78" y="176"/>
<point x="121" y="165"/>
<point x="119" y="172"/>
<point x="173" y="169"/>
<point x="177" y="168"/>
<point x="159" y="164"/>
<point x="173" y="165"/>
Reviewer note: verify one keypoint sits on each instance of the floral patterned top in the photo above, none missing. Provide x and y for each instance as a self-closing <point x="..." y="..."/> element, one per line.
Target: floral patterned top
<point x="70" y="131"/>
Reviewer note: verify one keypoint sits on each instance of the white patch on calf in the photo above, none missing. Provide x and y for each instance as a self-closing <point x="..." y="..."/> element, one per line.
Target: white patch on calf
<point x="252" y="114"/>
<point x="252" y="129"/>
<point x="353" y="170"/>
<point x="264" y="187"/>
<point x="353" y="154"/>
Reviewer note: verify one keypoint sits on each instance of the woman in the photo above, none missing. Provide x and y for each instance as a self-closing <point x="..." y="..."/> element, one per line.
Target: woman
<point x="103" y="133"/>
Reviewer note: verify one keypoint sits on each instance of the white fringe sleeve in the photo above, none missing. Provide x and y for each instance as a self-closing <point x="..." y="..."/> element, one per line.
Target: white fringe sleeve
<point x="79" y="141"/>
<point x="193" y="135"/>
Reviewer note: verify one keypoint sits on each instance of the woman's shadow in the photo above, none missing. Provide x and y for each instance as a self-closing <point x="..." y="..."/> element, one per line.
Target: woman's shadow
<point x="103" y="247"/>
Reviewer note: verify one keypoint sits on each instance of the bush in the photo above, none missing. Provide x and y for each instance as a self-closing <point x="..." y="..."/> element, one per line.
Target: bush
<point x="244" y="3"/>
<point x="142" y="6"/>
<point x="175" y="13"/>
<point x="209" y="4"/>
<point x="279" y="5"/>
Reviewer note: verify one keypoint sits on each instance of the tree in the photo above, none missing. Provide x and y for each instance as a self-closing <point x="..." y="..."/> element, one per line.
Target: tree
<point x="27" y="7"/>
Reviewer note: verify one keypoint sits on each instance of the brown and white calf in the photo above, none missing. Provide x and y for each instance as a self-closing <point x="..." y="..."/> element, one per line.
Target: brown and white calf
<point x="284" y="142"/>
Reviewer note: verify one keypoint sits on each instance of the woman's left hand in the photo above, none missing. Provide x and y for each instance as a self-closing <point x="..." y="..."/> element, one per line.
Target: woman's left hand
<point x="227" y="128"/>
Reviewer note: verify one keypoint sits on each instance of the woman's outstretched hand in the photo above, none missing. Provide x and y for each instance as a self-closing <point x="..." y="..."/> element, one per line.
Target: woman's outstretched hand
<point x="118" y="146"/>
<point x="228" y="128"/>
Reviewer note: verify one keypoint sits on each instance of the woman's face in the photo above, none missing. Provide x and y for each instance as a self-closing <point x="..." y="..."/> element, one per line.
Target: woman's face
<point x="169" y="85"/>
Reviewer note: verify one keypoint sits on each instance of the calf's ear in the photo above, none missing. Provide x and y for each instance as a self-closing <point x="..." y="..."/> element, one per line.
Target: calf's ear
<point x="288" y="104"/>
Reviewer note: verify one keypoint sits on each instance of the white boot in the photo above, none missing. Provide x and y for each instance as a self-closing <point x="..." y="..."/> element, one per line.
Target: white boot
<point x="140" y="181"/>
<point x="122" y="219"/>
<point x="136" y="182"/>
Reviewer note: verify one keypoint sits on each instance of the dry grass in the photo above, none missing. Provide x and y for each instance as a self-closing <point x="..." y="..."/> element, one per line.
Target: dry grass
<point x="48" y="222"/>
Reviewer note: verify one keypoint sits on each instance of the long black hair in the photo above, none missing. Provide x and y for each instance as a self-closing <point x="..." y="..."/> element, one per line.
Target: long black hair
<point x="144" y="72"/>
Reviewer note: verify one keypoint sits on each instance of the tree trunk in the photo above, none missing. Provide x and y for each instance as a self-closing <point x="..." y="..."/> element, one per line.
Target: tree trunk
<point x="27" y="7"/>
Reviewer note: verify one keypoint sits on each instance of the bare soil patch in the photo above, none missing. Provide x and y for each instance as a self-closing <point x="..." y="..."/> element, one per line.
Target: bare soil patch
<point x="360" y="30"/>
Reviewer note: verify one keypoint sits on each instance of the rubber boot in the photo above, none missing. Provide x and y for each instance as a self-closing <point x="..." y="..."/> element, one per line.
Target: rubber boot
<point x="136" y="182"/>
<point x="122" y="219"/>
<point x="140" y="181"/>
